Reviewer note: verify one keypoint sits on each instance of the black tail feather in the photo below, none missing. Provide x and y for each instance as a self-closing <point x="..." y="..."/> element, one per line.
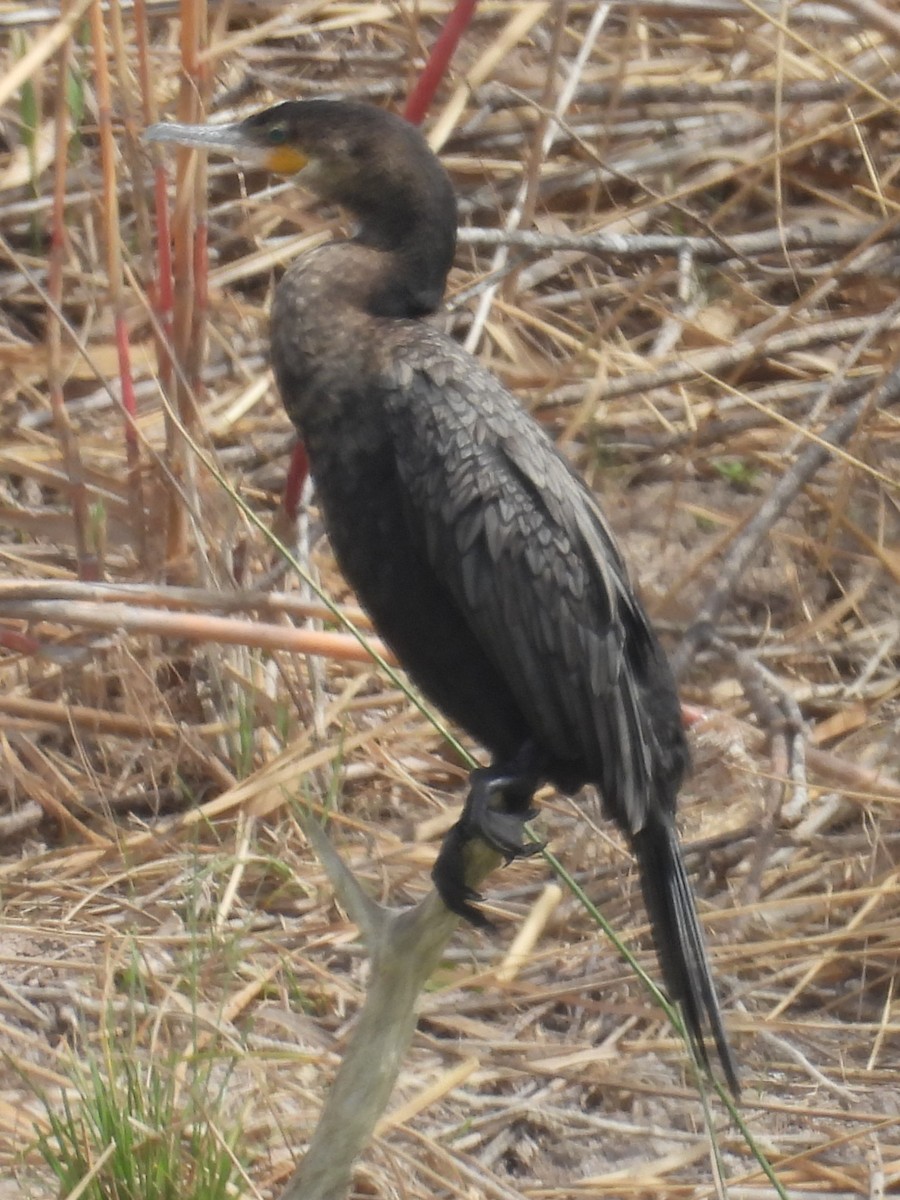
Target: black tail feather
<point x="679" y="941"/>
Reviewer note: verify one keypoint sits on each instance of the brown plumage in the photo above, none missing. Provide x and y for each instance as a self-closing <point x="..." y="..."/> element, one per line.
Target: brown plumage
<point x="483" y="559"/>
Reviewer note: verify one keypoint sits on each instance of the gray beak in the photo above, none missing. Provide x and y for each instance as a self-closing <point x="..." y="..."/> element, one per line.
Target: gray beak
<point x="231" y="140"/>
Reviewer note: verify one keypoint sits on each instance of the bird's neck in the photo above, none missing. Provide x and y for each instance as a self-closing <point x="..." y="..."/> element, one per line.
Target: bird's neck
<point x="353" y="281"/>
<point x="415" y="251"/>
<point x="334" y="306"/>
<point x="330" y="318"/>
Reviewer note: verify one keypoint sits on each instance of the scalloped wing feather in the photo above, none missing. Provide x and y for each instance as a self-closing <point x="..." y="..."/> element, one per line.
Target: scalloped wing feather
<point x="520" y="542"/>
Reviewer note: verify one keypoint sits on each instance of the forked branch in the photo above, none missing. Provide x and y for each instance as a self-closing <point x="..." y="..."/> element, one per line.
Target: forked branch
<point x="404" y="949"/>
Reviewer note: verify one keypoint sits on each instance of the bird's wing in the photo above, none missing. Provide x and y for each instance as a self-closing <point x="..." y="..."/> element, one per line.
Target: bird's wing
<point x="520" y="543"/>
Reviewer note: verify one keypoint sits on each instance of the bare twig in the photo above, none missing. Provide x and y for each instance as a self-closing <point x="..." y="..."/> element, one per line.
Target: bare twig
<point x="716" y="361"/>
<point x="771" y="510"/>
<point x="688" y="93"/>
<point x="778" y="714"/>
<point x="169" y="596"/>
<point x="798" y="238"/>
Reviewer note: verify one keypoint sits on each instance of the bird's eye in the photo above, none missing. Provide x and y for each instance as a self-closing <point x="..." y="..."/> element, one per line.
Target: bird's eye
<point x="277" y="135"/>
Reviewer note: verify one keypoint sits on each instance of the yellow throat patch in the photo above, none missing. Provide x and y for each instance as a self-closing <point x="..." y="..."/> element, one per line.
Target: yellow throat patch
<point x="285" y="160"/>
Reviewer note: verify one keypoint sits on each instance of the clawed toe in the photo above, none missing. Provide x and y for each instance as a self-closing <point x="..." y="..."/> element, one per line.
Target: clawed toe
<point x="505" y="832"/>
<point x="448" y="874"/>
<point x="497" y="810"/>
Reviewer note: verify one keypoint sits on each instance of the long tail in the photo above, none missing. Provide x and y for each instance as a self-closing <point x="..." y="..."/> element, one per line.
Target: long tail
<point x="679" y="940"/>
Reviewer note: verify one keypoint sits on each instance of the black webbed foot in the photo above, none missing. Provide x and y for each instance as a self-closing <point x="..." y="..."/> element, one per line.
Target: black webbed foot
<point x="501" y="825"/>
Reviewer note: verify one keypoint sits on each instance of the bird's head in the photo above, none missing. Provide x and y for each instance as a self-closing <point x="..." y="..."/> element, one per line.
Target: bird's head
<point x="371" y="162"/>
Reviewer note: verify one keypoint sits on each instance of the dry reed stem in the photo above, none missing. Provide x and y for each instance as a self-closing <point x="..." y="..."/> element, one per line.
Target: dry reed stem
<point x="71" y="455"/>
<point x="112" y="617"/>
<point x="112" y="240"/>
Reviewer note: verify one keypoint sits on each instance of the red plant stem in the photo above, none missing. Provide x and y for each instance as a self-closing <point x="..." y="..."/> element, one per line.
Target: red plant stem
<point x="442" y="51"/>
<point x="129" y="403"/>
<point x="19" y="643"/>
<point x="298" y="470"/>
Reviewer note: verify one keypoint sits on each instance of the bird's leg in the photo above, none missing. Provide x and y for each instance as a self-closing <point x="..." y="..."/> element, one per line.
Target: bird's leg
<point x="496" y="810"/>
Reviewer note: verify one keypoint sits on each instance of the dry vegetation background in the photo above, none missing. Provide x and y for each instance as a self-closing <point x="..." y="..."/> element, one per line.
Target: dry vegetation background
<point x="158" y="897"/>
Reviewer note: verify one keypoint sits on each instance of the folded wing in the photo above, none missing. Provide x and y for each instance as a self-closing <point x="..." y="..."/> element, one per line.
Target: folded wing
<point x="520" y="543"/>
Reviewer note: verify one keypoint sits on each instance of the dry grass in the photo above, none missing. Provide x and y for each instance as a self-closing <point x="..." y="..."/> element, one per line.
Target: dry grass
<point x="153" y="877"/>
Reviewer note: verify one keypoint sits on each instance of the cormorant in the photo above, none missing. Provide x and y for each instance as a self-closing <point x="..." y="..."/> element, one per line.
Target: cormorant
<point x="481" y="556"/>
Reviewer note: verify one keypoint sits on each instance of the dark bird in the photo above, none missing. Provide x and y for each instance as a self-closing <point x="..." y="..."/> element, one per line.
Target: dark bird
<point x="481" y="556"/>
